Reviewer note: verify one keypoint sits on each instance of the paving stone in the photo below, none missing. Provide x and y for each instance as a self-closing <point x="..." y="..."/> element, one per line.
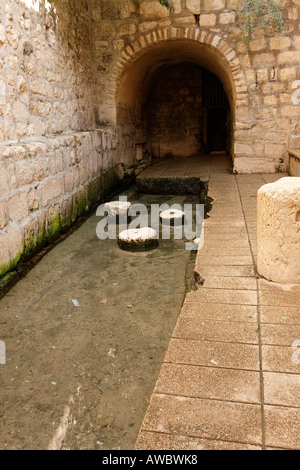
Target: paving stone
<point x="223" y="245"/>
<point x="158" y="441"/>
<point x="206" y="251"/>
<point x="216" y="331"/>
<point x="280" y="335"/>
<point x="240" y="283"/>
<point x="223" y="260"/>
<point x="230" y="223"/>
<point x="279" y="298"/>
<point x="230" y="271"/>
<point x="281" y="359"/>
<point x="275" y="287"/>
<point x="282" y="427"/>
<point x="210" y="353"/>
<point x="282" y="389"/>
<point x="284" y="315"/>
<point x="223" y="296"/>
<point x="209" y="382"/>
<point x="210" y="419"/>
<point x="224" y="312"/>
<point x="231" y="239"/>
<point x="224" y="214"/>
<point x="225" y="230"/>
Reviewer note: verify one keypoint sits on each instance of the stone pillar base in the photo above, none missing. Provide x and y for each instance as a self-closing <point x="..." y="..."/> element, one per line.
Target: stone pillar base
<point x="278" y="225"/>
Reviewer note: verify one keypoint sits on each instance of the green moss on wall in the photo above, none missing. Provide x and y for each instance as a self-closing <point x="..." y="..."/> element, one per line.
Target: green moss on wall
<point x="6" y="268"/>
<point x="54" y="228"/>
<point x="62" y="218"/>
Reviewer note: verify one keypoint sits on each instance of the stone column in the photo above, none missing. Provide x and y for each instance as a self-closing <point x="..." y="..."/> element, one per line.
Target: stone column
<point x="278" y="225"/>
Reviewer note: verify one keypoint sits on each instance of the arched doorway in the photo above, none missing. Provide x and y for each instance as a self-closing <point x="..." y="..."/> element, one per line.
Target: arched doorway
<point x="135" y="83"/>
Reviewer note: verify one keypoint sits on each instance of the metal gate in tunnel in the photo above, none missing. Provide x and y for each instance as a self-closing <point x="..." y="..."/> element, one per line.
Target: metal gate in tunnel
<point x="217" y="113"/>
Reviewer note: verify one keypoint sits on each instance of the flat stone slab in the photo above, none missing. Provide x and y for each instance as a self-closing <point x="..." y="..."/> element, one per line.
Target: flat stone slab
<point x="278" y="358"/>
<point x="193" y="381"/>
<point x="282" y="427"/>
<point x="282" y="389"/>
<point x="214" y="354"/>
<point x="169" y="185"/>
<point x="223" y="296"/>
<point x="153" y="440"/>
<point x="202" y="418"/>
<point x="208" y="330"/>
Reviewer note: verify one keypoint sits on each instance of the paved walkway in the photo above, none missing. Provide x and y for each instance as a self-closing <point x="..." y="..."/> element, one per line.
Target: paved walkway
<point x="231" y="377"/>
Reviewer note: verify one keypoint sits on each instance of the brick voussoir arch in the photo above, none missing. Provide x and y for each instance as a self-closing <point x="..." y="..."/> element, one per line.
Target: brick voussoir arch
<point x="146" y="41"/>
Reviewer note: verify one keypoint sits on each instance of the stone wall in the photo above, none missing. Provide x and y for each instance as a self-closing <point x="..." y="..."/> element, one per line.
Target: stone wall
<point x="262" y="83"/>
<point x="54" y="163"/>
<point x="187" y="112"/>
<point x="46" y="184"/>
<point x="175" y="113"/>
<point x="45" y="69"/>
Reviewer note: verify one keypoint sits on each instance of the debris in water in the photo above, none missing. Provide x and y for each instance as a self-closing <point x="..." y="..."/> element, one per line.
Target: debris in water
<point x="111" y="353"/>
<point x="100" y="387"/>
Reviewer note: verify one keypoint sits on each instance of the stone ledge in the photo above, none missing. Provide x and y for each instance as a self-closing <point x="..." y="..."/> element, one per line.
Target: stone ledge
<point x="295" y="153"/>
<point x="294" y="162"/>
<point x="168" y="185"/>
<point x="56" y="180"/>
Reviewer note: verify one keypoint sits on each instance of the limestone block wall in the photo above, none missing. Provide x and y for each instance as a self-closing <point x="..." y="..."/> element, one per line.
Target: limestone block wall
<point x="262" y="84"/>
<point x="175" y="113"/>
<point x="47" y="183"/>
<point x="45" y="69"/>
<point x="185" y="118"/>
<point x="54" y="162"/>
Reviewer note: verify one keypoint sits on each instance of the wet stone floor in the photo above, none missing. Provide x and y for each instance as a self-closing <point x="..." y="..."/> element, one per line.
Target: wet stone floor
<point x="81" y="377"/>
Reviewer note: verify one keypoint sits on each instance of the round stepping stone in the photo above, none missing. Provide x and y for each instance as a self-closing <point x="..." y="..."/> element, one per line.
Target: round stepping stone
<point x="117" y="207"/>
<point x="172" y="217"/>
<point x="140" y="239"/>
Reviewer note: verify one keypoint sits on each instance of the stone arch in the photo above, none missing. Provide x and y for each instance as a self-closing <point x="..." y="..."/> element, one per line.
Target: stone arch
<point x="139" y="60"/>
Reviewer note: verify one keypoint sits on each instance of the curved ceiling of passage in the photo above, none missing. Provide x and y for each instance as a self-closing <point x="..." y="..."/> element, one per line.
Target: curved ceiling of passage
<point x="137" y="78"/>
